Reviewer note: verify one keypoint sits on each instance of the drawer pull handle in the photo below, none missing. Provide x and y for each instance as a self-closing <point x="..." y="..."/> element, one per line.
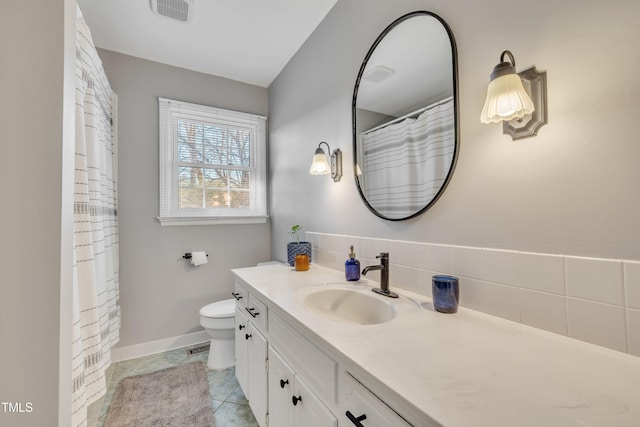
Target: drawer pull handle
<point x="250" y="311"/>
<point x="295" y="400"/>
<point x="247" y="336"/>
<point x="236" y="295"/>
<point x="356" y="421"/>
<point x="283" y="383"/>
<point x="241" y="327"/>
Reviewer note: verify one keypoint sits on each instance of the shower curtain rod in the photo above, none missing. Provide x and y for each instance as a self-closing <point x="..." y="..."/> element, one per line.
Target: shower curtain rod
<point x="406" y="116"/>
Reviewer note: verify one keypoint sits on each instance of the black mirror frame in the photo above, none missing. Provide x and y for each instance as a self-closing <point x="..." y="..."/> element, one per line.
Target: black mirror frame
<point x="454" y="60"/>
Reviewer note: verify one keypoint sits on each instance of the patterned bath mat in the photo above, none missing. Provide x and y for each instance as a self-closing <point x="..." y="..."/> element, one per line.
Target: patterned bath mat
<point x="177" y="397"/>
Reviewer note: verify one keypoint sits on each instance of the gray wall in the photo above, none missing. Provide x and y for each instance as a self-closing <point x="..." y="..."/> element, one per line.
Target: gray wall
<point x="37" y="175"/>
<point x="160" y="293"/>
<point x="570" y="190"/>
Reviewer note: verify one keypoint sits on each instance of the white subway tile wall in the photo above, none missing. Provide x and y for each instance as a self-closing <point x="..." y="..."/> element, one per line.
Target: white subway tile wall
<point x="590" y="299"/>
<point x="502" y="301"/>
<point x="633" y="331"/>
<point x="594" y="279"/>
<point x="632" y="284"/>
<point x="597" y="323"/>
<point x="466" y="262"/>
<point x="544" y="311"/>
<point x="540" y="272"/>
<point x="501" y="267"/>
<point x="438" y="257"/>
<point x="470" y="293"/>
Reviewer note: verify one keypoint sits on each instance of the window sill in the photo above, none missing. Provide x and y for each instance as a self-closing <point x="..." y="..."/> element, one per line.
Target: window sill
<point x="211" y="221"/>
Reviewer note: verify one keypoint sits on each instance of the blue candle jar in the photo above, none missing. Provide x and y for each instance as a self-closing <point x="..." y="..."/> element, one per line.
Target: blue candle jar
<point x="446" y="293"/>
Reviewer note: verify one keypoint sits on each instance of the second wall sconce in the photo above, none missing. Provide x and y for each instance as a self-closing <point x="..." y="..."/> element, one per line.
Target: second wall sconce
<point x="320" y="164"/>
<point x="518" y="100"/>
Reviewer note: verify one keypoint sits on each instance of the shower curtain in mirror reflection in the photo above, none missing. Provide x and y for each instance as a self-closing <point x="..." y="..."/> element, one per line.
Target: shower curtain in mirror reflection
<point x="406" y="163"/>
<point x="96" y="308"/>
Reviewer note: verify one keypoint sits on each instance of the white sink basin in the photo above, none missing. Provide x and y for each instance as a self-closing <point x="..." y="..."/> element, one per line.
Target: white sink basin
<point x="349" y="306"/>
<point x="353" y="304"/>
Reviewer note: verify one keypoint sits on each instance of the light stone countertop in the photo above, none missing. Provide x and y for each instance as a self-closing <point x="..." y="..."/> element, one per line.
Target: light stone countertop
<point x="469" y="368"/>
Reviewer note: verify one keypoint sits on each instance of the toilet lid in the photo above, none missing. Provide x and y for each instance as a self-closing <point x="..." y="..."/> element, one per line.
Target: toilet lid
<point x="220" y="309"/>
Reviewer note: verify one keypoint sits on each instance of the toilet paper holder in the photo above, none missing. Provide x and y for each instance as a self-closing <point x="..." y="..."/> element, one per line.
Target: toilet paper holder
<point x="188" y="255"/>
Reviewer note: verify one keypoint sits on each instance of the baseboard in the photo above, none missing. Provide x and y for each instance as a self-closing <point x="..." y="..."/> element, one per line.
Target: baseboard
<point x="119" y="354"/>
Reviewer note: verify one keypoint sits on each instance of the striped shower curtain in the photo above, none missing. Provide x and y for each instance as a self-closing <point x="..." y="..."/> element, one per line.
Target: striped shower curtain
<point x="406" y="163"/>
<point x="96" y="308"/>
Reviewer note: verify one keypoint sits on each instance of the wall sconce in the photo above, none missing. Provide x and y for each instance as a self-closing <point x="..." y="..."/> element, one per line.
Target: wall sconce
<point x="320" y="164"/>
<point x="518" y="100"/>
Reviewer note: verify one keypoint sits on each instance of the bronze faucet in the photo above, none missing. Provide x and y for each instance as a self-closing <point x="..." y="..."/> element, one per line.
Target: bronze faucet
<point x="384" y="275"/>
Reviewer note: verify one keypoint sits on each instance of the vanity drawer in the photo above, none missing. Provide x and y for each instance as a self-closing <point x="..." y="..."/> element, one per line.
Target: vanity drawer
<point x="241" y="294"/>
<point x="257" y="312"/>
<point x="356" y="402"/>
<point x="315" y="367"/>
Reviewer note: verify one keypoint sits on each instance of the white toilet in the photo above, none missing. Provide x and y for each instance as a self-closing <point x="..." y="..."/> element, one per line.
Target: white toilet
<point x="218" y="320"/>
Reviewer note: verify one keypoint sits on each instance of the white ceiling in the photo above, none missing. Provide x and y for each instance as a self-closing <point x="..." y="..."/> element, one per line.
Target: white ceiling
<point x="248" y="40"/>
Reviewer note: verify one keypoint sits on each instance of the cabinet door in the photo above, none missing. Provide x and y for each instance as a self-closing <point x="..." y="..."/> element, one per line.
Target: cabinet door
<point x="281" y="382"/>
<point x="308" y="410"/>
<point x="242" y="329"/>
<point x="361" y="407"/>
<point x="257" y="362"/>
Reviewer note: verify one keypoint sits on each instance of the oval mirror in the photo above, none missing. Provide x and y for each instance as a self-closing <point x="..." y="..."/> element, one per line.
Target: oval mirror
<point x="405" y="117"/>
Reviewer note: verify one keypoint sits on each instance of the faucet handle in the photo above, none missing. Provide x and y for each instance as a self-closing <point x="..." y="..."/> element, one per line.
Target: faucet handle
<point x="383" y="255"/>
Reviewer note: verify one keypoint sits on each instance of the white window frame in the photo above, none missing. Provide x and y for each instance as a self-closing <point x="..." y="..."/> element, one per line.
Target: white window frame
<point x="170" y="111"/>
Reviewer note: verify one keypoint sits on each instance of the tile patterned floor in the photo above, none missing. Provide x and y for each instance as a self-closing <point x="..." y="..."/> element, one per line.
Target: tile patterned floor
<point x="231" y="408"/>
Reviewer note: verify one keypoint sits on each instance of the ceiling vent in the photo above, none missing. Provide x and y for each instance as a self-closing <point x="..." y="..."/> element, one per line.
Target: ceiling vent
<point x="178" y="10"/>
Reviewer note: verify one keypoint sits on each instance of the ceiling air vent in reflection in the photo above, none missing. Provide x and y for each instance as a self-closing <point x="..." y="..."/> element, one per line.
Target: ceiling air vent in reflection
<point x="178" y="10"/>
<point x="378" y="74"/>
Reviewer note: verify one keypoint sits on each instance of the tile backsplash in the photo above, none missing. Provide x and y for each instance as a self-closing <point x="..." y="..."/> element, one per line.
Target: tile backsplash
<point x="590" y="299"/>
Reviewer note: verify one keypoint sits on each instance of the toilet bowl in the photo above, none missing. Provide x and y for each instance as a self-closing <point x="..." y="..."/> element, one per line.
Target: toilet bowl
<point x="218" y="320"/>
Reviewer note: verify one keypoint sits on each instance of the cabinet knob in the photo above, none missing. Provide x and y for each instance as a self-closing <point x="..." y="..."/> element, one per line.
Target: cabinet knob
<point x="283" y="383"/>
<point x="295" y="400"/>
<point x="236" y="295"/>
<point x="356" y="420"/>
<point x="247" y="336"/>
<point x="241" y="327"/>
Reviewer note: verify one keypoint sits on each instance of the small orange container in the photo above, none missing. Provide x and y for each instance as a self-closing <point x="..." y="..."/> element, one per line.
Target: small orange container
<point x="302" y="262"/>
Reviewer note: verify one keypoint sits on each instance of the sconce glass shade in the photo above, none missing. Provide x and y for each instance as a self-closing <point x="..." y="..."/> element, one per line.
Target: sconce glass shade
<point x="319" y="165"/>
<point x="506" y="97"/>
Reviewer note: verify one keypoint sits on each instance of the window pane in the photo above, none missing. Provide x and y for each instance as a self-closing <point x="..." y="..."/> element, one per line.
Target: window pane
<point x="239" y="148"/>
<point x="216" y="198"/>
<point x="185" y="177"/>
<point x="239" y="200"/>
<point x="239" y="179"/>
<point x="220" y="145"/>
<point x="188" y="176"/>
<point x="189" y="142"/>
<point x="215" y="178"/>
<point x="215" y="148"/>
<point x="190" y="197"/>
<point x="223" y="199"/>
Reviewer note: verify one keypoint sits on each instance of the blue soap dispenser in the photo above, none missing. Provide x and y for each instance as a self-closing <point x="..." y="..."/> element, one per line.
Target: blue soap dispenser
<point x="352" y="267"/>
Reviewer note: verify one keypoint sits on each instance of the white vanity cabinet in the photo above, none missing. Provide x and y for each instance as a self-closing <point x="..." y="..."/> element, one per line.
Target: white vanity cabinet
<point x="302" y="379"/>
<point x="242" y="368"/>
<point x="257" y="370"/>
<point x="251" y="351"/>
<point x="291" y="379"/>
<point x="281" y="382"/>
<point x="359" y="407"/>
<point x="291" y="401"/>
<point x="309" y="411"/>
